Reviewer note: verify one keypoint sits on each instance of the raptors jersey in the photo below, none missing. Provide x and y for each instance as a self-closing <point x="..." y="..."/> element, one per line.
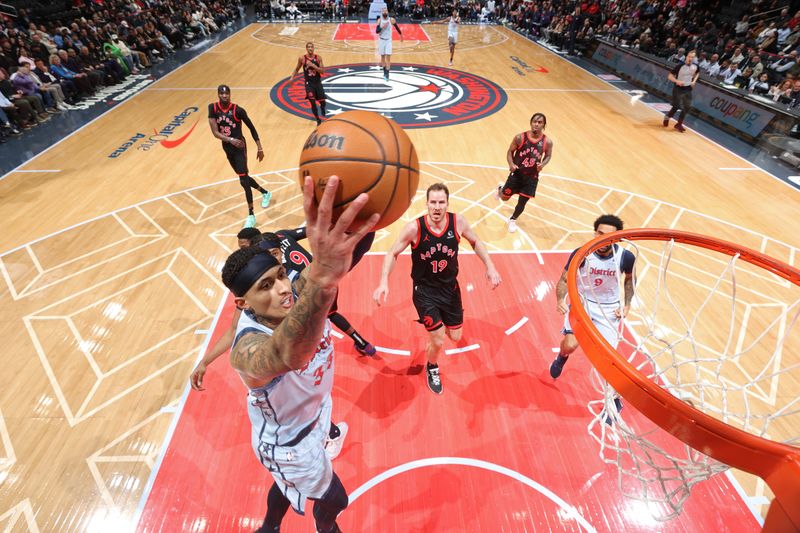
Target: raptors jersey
<point x="311" y="75"/>
<point x="291" y="402"/>
<point x="599" y="276"/>
<point x="295" y="257"/>
<point x="529" y="153"/>
<point x="434" y="256"/>
<point x="229" y="120"/>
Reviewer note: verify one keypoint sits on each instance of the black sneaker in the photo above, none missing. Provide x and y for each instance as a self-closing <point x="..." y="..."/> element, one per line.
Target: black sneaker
<point x="434" y="379"/>
<point x="557" y="366"/>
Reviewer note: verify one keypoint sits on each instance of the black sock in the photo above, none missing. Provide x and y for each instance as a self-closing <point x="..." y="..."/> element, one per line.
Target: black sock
<point x="431" y="365"/>
<point x="334" y="432"/>
<point x="360" y="342"/>
<point x="250" y="209"/>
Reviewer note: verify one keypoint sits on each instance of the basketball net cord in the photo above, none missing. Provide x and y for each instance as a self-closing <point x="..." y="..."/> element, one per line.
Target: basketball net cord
<point x="654" y="467"/>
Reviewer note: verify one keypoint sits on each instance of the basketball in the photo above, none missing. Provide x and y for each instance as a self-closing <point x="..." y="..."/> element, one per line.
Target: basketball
<point x="370" y="153"/>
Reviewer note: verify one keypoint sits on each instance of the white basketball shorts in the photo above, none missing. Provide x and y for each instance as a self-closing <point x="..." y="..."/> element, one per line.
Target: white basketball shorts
<point x="302" y="471"/>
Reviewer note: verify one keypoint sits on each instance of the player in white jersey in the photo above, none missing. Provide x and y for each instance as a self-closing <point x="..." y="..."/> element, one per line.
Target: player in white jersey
<point x="384" y="31"/>
<point x="283" y="353"/>
<point x="452" y="33"/>
<point x="598" y="284"/>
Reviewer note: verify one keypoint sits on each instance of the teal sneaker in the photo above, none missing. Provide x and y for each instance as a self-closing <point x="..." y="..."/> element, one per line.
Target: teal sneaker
<point x="250" y="222"/>
<point x="265" y="198"/>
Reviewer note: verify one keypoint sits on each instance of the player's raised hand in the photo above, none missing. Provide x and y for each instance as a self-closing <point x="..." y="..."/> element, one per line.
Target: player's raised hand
<point x="197" y="376"/>
<point x="381" y="294"/>
<point x="330" y="240"/>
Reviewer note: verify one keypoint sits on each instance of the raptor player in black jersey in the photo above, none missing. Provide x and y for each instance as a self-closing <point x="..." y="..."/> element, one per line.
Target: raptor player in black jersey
<point x="313" y="69"/>
<point x="225" y="119"/>
<point x="528" y="153"/>
<point x="434" y="240"/>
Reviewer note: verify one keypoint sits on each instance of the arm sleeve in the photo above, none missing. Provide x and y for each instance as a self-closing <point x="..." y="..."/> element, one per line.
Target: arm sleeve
<point x="569" y="259"/>
<point x="378" y="26"/>
<point x="211" y="111"/>
<point x="628" y="259"/>
<point x="249" y="123"/>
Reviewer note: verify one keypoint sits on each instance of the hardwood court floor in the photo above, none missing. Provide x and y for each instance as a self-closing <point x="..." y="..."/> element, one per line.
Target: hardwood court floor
<point x="110" y="265"/>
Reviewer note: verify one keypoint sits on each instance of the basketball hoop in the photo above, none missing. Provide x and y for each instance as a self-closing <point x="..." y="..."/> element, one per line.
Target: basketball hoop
<point x="683" y="373"/>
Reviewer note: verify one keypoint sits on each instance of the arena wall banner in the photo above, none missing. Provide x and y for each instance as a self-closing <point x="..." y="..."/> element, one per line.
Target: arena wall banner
<point x="721" y="105"/>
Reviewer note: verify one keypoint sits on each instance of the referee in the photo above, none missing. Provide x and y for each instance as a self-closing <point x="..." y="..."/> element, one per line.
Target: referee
<point x="684" y="77"/>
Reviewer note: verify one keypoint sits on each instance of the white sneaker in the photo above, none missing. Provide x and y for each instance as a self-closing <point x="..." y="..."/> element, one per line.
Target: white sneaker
<point x="512" y="225"/>
<point x="62" y="107"/>
<point x="497" y="191"/>
<point x="333" y="447"/>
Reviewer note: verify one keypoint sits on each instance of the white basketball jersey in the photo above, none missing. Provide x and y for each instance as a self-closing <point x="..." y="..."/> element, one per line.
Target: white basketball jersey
<point x="386" y="28"/>
<point x="289" y="403"/>
<point x="452" y="26"/>
<point x="599" y="277"/>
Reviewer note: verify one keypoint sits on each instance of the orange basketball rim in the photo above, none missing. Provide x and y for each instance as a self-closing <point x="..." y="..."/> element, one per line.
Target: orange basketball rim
<point x="776" y="463"/>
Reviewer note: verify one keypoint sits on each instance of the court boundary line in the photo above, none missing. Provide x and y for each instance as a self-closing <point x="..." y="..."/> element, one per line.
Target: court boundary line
<point x="131" y="97"/>
<point x="622" y="91"/>
<point x="137" y="515"/>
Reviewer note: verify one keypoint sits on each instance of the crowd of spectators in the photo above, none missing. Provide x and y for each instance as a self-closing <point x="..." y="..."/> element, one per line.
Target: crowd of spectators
<point x="49" y="67"/>
<point x="757" y="53"/>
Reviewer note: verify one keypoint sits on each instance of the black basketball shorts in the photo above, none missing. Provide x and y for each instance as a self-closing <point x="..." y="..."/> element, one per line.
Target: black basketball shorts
<point x="517" y="183"/>
<point x="682" y="98"/>
<point x="237" y="157"/>
<point x="314" y="91"/>
<point x="437" y="306"/>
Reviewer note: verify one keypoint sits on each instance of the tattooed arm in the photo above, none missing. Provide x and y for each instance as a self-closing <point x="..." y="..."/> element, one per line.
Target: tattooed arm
<point x="295" y="338"/>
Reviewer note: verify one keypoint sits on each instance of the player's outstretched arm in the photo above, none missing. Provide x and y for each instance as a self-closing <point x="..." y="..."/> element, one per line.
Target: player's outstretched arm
<point x="480" y="249"/>
<point x="249" y="123"/>
<point x="222" y="345"/>
<point x="294" y="341"/>
<point x="407" y="236"/>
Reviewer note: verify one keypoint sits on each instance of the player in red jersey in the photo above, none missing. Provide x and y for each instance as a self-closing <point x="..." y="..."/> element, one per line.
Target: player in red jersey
<point x="225" y="119"/>
<point x="529" y="152"/>
<point x="434" y="240"/>
<point x="313" y="69"/>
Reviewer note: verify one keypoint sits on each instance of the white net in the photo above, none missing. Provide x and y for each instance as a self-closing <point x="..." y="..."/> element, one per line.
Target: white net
<point x="714" y="331"/>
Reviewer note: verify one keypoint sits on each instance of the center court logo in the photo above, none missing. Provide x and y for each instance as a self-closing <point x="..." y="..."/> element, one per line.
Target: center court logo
<point x="416" y="96"/>
<point x="162" y="137"/>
